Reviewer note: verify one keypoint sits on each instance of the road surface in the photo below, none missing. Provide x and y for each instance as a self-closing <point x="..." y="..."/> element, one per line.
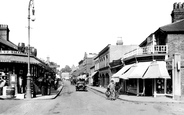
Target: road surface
<point x="71" y="102"/>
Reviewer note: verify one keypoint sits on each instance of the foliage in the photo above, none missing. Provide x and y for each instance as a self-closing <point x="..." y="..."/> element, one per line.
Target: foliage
<point x="66" y="69"/>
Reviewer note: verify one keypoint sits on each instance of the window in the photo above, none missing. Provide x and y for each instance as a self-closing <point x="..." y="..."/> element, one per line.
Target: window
<point x="160" y="86"/>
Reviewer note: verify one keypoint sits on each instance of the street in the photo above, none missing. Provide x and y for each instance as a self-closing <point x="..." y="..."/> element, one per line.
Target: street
<point x="71" y="102"/>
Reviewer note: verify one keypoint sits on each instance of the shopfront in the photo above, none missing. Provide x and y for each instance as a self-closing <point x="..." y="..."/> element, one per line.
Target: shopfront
<point x="149" y="78"/>
<point x="13" y="65"/>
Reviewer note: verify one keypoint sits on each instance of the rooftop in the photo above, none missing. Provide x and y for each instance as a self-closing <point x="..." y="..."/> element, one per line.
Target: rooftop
<point x="173" y="27"/>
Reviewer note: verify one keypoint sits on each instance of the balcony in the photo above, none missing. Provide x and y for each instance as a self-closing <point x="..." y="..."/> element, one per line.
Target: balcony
<point x="154" y="49"/>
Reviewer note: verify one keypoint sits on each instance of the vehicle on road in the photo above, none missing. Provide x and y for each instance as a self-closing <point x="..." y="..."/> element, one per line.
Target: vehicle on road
<point x="81" y="85"/>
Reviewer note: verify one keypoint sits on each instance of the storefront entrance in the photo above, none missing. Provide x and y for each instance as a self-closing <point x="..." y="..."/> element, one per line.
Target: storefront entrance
<point x="148" y="87"/>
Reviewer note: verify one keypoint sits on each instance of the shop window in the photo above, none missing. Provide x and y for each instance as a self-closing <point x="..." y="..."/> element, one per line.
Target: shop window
<point x="169" y="86"/>
<point x="160" y="86"/>
<point x="132" y="86"/>
<point x="169" y="83"/>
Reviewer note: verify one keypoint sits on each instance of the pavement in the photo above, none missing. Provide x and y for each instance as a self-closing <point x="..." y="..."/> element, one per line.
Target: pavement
<point x="144" y="99"/>
<point x="130" y="98"/>
<point x="53" y="95"/>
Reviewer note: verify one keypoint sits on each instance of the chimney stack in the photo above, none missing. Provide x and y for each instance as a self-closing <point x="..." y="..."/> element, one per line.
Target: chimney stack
<point x="178" y="12"/>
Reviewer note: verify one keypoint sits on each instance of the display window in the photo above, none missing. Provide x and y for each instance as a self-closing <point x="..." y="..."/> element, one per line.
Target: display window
<point x="169" y="83"/>
<point x="160" y="86"/>
<point x="132" y="86"/>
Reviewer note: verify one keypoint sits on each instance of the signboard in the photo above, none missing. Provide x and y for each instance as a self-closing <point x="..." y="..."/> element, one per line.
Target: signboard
<point x="13" y="78"/>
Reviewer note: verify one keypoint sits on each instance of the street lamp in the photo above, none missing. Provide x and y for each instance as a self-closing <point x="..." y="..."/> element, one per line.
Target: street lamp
<point x="28" y="90"/>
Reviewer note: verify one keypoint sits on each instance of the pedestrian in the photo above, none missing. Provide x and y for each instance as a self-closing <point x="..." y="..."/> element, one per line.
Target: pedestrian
<point x="111" y="87"/>
<point x="107" y="93"/>
<point x="117" y="89"/>
<point x="2" y="84"/>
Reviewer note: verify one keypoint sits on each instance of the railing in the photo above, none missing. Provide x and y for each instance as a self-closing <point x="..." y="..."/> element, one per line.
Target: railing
<point x="156" y="49"/>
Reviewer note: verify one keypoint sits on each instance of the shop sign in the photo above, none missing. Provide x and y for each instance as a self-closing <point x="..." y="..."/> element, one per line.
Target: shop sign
<point x="13" y="78"/>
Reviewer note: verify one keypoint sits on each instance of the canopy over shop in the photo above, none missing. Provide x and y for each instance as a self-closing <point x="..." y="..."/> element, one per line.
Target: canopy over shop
<point x="147" y="77"/>
<point x="14" y="64"/>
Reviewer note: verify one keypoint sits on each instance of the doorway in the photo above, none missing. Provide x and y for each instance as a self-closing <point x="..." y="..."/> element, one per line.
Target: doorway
<point x="148" y="87"/>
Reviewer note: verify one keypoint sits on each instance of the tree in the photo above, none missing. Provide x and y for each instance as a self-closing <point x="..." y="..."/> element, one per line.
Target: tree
<point x="66" y="69"/>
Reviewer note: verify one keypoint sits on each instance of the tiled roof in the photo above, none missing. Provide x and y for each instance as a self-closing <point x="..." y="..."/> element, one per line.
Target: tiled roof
<point x="8" y="43"/>
<point x="177" y="26"/>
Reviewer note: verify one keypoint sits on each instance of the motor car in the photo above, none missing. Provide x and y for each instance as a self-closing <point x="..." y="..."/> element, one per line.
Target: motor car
<point x="81" y="85"/>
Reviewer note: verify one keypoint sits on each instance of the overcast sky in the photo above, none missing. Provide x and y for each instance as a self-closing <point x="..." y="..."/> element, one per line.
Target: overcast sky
<point x="65" y="29"/>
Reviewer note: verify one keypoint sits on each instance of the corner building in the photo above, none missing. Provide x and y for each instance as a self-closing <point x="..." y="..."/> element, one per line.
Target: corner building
<point x="156" y="68"/>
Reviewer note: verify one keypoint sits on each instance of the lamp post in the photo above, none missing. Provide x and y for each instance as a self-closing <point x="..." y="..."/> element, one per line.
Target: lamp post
<point x="28" y="90"/>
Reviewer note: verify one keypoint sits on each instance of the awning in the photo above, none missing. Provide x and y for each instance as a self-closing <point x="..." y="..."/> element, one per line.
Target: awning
<point x="157" y="70"/>
<point x="17" y="59"/>
<point x="139" y="70"/>
<point x="128" y="72"/>
<point x="121" y="71"/>
<point x="93" y="74"/>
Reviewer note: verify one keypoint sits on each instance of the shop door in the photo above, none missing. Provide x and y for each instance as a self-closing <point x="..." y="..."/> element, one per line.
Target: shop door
<point x="148" y="87"/>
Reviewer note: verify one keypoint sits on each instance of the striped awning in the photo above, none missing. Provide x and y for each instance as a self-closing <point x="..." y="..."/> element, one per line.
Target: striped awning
<point x="157" y="69"/>
<point x="146" y="70"/>
<point x="128" y="72"/>
<point x="139" y="70"/>
<point x="121" y="71"/>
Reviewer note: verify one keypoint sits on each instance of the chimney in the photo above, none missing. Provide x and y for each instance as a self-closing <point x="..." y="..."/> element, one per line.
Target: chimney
<point x="178" y="12"/>
<point x="119" y="41"/>
<point x="4" y="32"/>
<point x="48" y="59"/>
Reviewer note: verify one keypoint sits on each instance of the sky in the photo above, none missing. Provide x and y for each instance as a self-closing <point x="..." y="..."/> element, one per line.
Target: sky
<point x="65" y="29"/>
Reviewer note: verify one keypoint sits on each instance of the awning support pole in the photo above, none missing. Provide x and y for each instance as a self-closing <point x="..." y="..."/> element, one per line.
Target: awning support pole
<point x="144" y="86"/>
<point x="155" y="93"/>
<point x="137" y="86"/>
<point x="165" y="86"/>
<point x="173" y="78"/>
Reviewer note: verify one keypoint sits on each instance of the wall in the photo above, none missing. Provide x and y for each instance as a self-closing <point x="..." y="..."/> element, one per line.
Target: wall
<point x="118" y="51"/>
<point x="96" y="63"/>
<point x="104" y="59"/>
<point x="176" y="45"/>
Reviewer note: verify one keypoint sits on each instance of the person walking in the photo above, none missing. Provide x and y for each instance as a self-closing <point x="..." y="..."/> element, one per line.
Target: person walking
<point x="111" y="87"/>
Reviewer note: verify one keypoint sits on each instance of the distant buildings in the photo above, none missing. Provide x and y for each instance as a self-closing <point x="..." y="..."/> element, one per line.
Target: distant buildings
<point x="65" y="75"/>
<point x="96" y="66"/>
